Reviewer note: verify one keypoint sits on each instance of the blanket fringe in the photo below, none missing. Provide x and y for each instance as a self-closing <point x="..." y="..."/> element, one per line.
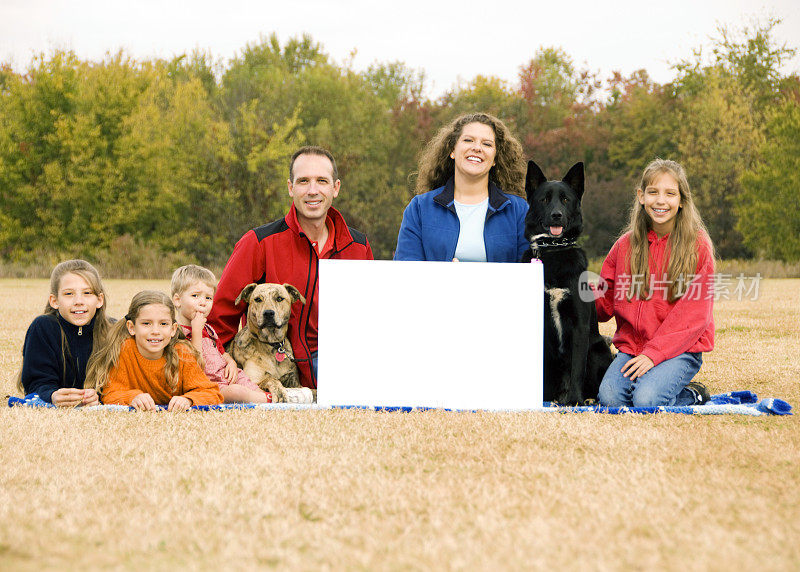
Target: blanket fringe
<point x="731" y="403"/>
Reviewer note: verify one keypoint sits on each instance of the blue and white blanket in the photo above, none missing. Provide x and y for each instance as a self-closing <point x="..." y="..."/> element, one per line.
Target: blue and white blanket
<point x="734" y="402"/>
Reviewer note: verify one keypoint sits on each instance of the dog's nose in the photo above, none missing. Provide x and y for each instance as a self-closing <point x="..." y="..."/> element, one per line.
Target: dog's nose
<point x="557" y="215"/>
<point x="269" y="313"/>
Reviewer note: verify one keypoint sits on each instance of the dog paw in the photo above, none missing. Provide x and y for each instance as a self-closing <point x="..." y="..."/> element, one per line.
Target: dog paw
<point x="300" y="395"/>
<point x="278" y="395"/>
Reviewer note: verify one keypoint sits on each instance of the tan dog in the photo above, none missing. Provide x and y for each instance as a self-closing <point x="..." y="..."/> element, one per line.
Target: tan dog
<point x="261" y="348"/>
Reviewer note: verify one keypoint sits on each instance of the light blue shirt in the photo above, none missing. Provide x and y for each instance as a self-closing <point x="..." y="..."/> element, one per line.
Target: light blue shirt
<point x="470" y="246"/>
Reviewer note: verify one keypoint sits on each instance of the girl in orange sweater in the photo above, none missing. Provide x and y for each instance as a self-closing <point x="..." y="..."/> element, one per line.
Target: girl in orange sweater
<point x="147" y="363"/>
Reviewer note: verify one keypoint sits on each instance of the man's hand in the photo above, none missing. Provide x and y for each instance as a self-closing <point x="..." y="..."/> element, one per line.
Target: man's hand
<point x="143" y="402"/>
<point x="179" y="403"/>
<point x="637" y="367"/>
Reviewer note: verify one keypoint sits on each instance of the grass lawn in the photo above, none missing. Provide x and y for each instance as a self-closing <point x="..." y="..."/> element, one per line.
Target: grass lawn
<point x="352" y="489"/>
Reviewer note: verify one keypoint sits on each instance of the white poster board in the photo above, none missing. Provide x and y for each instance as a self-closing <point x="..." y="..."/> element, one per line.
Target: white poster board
<point x="430" y="334"/>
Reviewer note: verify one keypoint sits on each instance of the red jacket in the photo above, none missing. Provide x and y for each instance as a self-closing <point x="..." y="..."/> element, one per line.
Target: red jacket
<point x="655" y="327"/>
<point x="280" y="252"/>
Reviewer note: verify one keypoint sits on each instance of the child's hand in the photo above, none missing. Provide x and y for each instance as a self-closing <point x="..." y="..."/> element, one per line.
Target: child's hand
<point x="90" y="397"/>
<point x="143" y="402"/>
<point x="179" y="403"/>
<point x="231" y="369"/>
<point x="198" y="321"/>
<point x="637" y="367"/>
<point x="67" y="397"/>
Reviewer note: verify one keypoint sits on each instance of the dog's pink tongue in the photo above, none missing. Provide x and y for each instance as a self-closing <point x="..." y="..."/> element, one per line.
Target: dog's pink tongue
<point x="556" y="230"/>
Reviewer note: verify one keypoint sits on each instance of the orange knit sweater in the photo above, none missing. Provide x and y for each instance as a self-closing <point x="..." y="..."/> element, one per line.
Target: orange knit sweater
<point x="136" y="374"/>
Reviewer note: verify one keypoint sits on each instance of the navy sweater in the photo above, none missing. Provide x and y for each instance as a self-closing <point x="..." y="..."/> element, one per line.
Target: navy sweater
<point x="43" y="366"/>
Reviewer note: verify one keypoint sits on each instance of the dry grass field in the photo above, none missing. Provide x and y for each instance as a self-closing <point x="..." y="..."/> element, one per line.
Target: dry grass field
<point x="428" y="490"/>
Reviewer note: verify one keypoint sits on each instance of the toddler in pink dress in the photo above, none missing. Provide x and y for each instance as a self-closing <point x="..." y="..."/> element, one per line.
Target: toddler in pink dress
<point x="193" y="290"/>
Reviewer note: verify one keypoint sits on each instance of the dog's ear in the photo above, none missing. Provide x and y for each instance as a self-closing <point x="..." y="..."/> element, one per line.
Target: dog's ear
<point x="294" y="293"/>
<point x="574" y="178"/>
<point x="533" y="178"/>
<point x="245" y="293"/>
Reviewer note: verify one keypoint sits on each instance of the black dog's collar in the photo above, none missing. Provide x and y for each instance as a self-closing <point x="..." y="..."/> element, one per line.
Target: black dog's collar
<point x="549" y="243"/>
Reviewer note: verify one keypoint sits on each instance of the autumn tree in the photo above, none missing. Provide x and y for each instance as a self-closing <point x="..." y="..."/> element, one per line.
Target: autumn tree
<point x="549" y="86"/>
<point x="184" y="155"/>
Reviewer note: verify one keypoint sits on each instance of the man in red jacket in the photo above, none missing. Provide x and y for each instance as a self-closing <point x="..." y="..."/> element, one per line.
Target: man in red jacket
<point x="288" y="250"/>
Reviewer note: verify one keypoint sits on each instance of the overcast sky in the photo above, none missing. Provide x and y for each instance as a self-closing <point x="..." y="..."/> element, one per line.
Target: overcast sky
<point x="450" y="41"/>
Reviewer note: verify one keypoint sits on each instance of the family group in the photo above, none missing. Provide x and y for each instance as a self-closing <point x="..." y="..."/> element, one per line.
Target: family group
<point x="170" y="349"/>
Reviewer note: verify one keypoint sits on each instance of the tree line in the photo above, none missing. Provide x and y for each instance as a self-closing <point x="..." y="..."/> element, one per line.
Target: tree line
<point x="184" y="155"/>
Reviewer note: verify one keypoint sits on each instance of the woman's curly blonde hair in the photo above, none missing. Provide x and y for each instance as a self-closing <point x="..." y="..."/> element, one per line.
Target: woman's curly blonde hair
<point x="436" y="166"/>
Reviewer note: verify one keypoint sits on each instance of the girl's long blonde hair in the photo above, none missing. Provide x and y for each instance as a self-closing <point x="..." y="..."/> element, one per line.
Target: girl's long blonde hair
<point x="107" y="358"/>
<point x="683" y="241"/>
<point x="102" y="324"/>
<point x="436" y="166"/>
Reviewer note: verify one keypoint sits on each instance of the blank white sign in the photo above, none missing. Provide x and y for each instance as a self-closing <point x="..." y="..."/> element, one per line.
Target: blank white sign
<point x="456" y="335"/>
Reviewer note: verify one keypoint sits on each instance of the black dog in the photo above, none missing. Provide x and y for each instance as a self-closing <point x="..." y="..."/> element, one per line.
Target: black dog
<point x="575" y="354"/>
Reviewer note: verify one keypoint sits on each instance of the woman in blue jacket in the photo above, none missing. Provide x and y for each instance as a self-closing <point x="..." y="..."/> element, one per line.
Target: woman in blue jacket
<point x="473" y="214"/>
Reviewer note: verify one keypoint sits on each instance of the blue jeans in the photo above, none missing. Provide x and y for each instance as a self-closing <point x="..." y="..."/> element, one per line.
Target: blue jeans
<point x="663" y="385"/>
<point x="314" y="364"/>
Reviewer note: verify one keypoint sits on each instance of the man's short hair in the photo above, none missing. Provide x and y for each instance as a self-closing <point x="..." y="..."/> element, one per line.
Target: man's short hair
<point x="313" y="150"/>
<point x="190" y="274"/>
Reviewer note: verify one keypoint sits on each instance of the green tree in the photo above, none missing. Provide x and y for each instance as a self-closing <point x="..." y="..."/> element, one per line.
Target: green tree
<point x="550" y="86"/>
<point x="293" y="95"/>
<point x="60" y="123"/>
<point x="642" y="123"/>
<point x="615" y="138"/>
<point x="754" y="58"/>
<point x="395" y="84"/>
<point x="31" y="105"/>
<point x="410" y="125"/>
<point x="483" y="94"/>
<point x="185" y="155"/>
<point x="723" y="105"/>
<point x="769" y="205"/>
<point x="172" y="164"/>
<point x="258" y="100"/>
<point x="717" y="142"/>
<point x="341" y="113"/>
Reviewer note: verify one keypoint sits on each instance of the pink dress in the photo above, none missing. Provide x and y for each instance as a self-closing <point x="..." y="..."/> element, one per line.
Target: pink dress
<point x="215" y="363"/>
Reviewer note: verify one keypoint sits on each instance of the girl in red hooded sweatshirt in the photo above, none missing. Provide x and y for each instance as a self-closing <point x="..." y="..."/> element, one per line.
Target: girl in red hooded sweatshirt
<point x="657" y="283"/>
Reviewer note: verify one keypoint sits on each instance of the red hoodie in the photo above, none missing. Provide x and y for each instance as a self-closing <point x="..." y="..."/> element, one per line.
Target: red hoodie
<point x="655" y="327"/>
<point x="280" y="252"/>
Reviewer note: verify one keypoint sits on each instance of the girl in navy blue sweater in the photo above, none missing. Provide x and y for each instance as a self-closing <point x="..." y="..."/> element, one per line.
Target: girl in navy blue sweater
<point x="58" y="343"/>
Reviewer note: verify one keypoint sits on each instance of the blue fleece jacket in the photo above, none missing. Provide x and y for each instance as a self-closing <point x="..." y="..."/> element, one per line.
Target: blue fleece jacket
<point x="430" y="227"/>
<point x="44" y="369"/>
